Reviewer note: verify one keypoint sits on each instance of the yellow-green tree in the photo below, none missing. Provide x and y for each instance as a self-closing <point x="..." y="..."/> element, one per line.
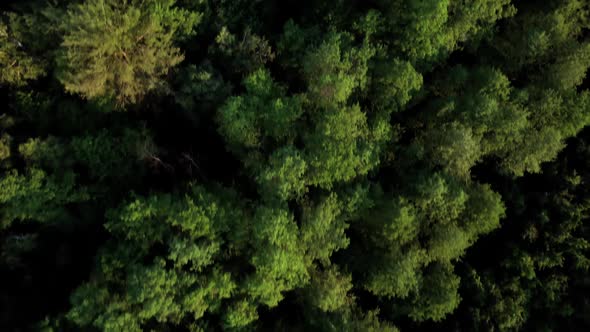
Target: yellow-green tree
<point x="121" y="49"/>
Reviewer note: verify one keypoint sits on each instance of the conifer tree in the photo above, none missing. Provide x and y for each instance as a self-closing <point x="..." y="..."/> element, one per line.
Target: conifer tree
<point x="121" y="49"/>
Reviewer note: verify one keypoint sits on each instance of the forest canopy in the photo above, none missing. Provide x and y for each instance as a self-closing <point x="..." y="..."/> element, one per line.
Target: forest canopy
<point x="309" y="165"/>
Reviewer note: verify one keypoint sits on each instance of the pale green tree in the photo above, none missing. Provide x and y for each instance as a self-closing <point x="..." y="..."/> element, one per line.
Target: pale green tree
<point x="121" y="49"/>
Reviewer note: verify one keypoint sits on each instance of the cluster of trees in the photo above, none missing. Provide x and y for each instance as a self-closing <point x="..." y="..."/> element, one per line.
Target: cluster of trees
<point x="238" y="165"/>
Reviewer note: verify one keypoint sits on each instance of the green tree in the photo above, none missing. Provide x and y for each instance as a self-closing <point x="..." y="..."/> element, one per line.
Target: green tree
<point x="28" y="37"/>
<point x="37" y="196"/>
<point x="535" y="282"/>
<point x="132" y="287"/>
<point x="410" y="242"/>
<point x="17" y="66"/>
<point x="278" y="256"/>
<point x="428" y="31"/>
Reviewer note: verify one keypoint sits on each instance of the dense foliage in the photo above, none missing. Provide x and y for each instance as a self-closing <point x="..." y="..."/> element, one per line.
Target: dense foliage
<point x="310" y="165"/>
